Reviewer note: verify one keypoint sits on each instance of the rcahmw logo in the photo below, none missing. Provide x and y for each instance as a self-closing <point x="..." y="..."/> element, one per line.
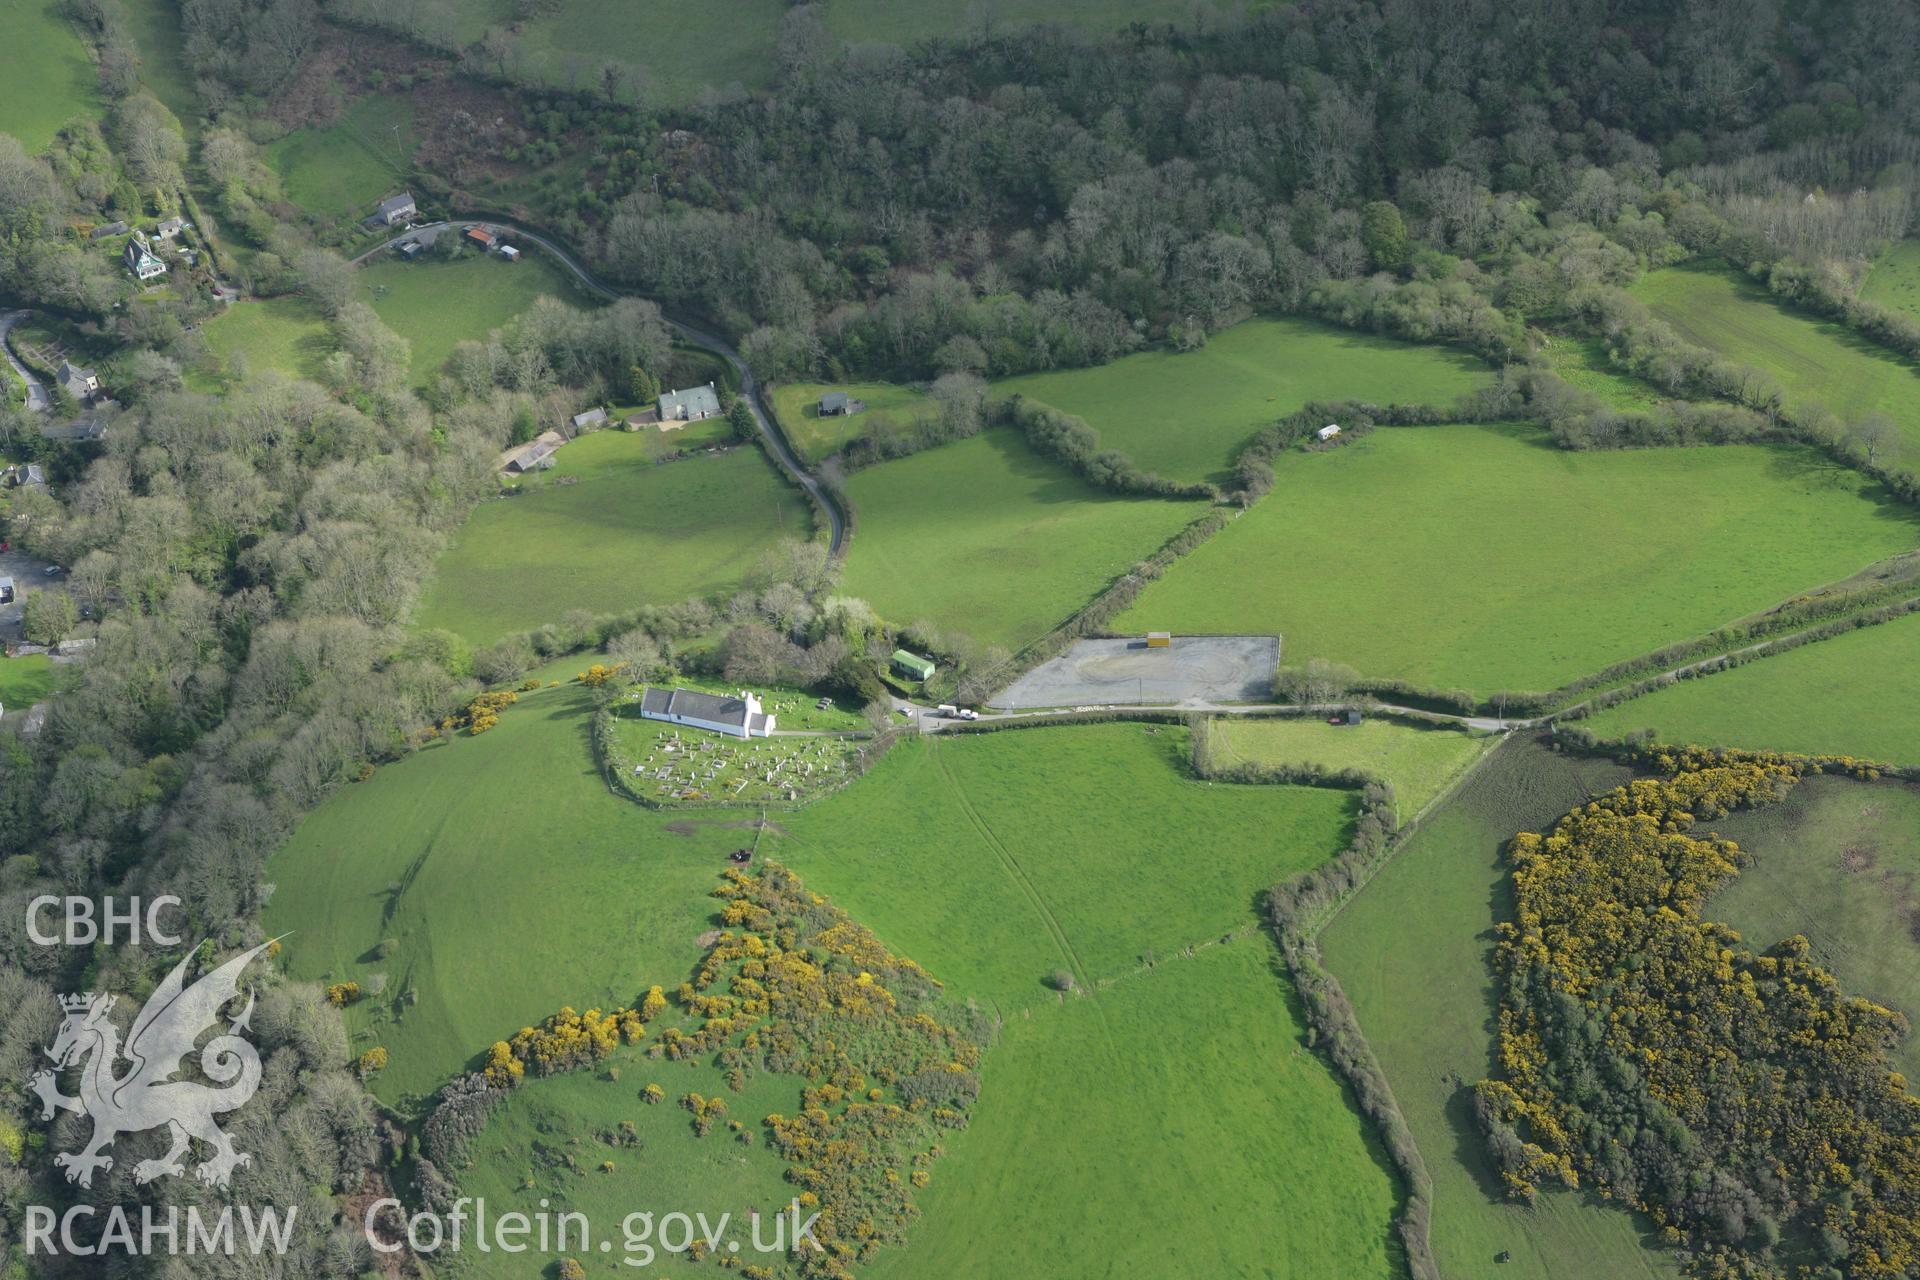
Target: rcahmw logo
<point x="130" y="1089"/>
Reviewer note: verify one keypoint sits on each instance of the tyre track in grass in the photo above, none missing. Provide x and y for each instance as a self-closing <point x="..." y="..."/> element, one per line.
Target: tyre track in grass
<point x="1015" y="870"/>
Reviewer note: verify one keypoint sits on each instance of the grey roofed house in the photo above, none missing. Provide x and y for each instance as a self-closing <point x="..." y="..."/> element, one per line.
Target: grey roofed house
<point x="593" y="417"/>
<point x="110" y="229"/>
<point x="396" y="208"/>
<point x="169" y="228"/>
<point x="690" y="405"/>
<point x="834" y="402"/>
<point x="34" y="475"/>
<point x="82" y="382"/>
<point x="83" y="430"/>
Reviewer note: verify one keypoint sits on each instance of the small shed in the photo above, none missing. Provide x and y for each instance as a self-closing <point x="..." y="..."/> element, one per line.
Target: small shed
<point x="594" y="417"/>
<point x="510" y="253"/>
<point x="833" y="404"/>
<point x="1328" y="432"/>
<point x="410" y="249"/>
<point x="1350" y="716"/>
<point x="1159" y="639"/>
<point x="481" y="236"/>
<point x="108" y="229"/>
<point x="912" y="665"/>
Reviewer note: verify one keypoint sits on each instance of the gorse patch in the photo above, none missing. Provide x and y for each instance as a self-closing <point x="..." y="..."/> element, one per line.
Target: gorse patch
<point x="1740" y="1098"/>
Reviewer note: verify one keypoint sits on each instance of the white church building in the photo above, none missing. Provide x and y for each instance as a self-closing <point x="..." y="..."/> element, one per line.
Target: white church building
<point x="738" y="716"/>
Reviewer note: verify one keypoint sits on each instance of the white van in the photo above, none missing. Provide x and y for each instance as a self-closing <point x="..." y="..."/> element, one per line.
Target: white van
<point x="948" y="710"/>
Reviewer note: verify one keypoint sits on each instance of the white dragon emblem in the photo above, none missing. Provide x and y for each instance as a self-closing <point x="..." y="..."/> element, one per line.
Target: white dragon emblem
<point x="146" y="1097"/>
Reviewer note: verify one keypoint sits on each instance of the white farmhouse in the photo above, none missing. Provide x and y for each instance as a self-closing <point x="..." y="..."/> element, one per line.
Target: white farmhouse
<point x="739" y="716"/>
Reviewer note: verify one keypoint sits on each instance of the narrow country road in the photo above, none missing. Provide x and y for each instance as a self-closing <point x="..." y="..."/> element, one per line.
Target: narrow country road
<point x="37" y="398"/>
<point x="750" y="389"/>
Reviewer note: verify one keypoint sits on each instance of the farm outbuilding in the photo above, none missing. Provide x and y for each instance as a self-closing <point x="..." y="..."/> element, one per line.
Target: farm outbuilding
<point x="594" y="417"/>
<point x="912" y="665"/>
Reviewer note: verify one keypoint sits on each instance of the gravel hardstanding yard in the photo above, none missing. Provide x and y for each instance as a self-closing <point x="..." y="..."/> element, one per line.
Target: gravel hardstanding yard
<point x="1190" y="669"/>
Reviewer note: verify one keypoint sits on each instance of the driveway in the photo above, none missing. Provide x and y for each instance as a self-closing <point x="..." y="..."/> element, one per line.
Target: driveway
<point x="28" y="574"/>
<point x="37" y="398"/>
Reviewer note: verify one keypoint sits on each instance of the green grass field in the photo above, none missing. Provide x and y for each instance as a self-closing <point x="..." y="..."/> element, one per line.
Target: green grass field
<point x="1185" y="414"/>
<point x="986" y="537"/>
<point x="1110" y="1129"/>
<point x="1838" y="861"/>
<point x="993" y="860"/>
<point x="437" y="305"/>
<point x="287" y="335"/>
<point x="1420" y="763"/>
<point x="814" y="437"/>
<point x="548" y="1139"/>
<point x="628" y="533"/>
<point x="686" y="47"/>
<point x="344" y="170"/>
<point x="46" y="75"/>
<point x="155" y="27"/>
<point x="1413" y="951"/>
<point x="1831" y="696"/>
<point x="1895" y="279"/>
<point x="996" y="859"/>
<point x="1485" y="558"/>
<point x="511" y="882"/>
<point x="25" y="680"/>
<point x="1583" y="363"/>
<point x="1815" y="361"/>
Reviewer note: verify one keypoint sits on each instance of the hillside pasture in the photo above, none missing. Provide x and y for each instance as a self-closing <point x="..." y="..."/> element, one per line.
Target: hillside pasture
<point x="1833" y="696"/>
<point x="435" y="305"/>
<point x="1185" y="414"/>
<point x="506" y="881"/>
<point x="1895" y="279"/>
<point x="1817" y="362"/>
<point x="679" y="49"/>
<point x="1838" y="862"/>
<point x="46" y="74"/>
<point x="343" y="170"/>
<point x="1420" y="763"/>
<point x="797" y="405"/>
<point x="493" y="879"/>
<point x="155" y="27"/>
<point x="986" y="537"/>
<point x="625" y="534"/>
<point x="995" y="859"/>
<point x="1485" y="558"/>
<point x="286" y="335"/>
<point x="1413" y="951"/>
